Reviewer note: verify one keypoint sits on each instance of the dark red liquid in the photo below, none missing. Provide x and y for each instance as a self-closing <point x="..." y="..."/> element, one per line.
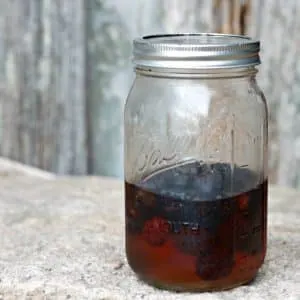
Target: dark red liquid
<point x="184" y="232"/>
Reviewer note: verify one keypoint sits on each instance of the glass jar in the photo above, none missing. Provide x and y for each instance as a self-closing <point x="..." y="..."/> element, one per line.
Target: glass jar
<point x="196" y="162"/>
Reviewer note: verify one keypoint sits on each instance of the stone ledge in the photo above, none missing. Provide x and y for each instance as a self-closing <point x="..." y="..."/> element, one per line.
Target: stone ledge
<point x="13" y="168"/>
<point x="64" y="239"/>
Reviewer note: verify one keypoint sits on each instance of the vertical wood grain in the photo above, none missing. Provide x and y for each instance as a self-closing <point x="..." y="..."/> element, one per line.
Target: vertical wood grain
<point x="107" y="85"/>
<point x="277" y="23"/>
<point x="42" y="84"/>
<point x="65" y="72"/>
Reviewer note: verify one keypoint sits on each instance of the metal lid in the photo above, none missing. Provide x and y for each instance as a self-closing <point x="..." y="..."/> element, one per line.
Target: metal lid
<point x="191" y="52"/>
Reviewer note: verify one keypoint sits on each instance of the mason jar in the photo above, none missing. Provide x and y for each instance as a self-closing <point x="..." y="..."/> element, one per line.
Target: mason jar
<point x="196" y="162"/>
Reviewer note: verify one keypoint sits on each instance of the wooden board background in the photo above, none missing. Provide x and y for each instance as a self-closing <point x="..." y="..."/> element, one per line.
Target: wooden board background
<point x="65" y="72"/>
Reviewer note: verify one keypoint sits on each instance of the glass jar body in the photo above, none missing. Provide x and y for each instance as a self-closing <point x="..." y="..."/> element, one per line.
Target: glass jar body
<point x="195" y="180"/>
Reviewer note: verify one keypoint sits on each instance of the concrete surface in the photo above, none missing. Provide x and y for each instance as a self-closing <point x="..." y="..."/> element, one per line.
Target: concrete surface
<point x="63" y="238"/>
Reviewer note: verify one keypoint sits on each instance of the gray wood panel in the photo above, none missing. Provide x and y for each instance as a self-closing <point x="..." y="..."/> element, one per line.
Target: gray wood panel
<point x="65" y="72"/>
<point x="277" y="24"/>
<point x="43" y="84"/>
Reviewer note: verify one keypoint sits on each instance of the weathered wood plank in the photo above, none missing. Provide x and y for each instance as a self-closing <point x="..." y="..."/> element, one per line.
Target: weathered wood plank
<point x="108" y="74"/>
<point x="277" y="25"/>
<point x="65" y="72"/>
<point x="43" y="84"/>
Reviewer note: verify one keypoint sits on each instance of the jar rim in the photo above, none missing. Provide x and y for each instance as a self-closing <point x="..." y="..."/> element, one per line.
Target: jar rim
<point x="193" y="51"/>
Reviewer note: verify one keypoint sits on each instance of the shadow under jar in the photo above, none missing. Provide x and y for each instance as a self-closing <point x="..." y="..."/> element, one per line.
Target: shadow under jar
<point x="196" y="162"/>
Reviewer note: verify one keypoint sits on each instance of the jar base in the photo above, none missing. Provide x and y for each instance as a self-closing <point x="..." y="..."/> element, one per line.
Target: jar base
<point x="196" y="287"/>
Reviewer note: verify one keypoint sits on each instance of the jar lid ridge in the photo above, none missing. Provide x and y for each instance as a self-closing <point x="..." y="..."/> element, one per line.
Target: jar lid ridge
<point x="195" y="51"/>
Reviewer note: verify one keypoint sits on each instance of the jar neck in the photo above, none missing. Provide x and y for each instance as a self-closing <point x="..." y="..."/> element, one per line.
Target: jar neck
<point x="203" y="73"/>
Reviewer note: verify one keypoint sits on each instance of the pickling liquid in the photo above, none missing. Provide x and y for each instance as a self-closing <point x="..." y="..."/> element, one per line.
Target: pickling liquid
<point x="197" y="227"/>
